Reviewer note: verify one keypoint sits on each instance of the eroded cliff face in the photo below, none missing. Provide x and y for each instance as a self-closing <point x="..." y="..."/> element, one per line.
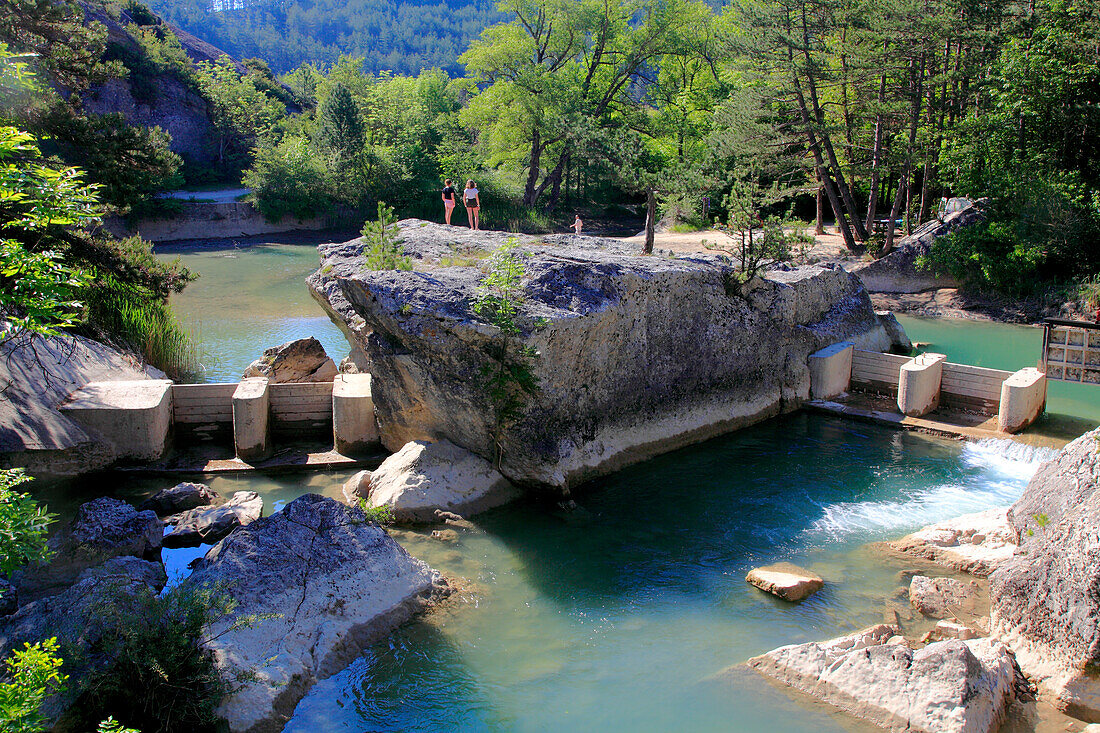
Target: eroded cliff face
<point x="636" y="355"/>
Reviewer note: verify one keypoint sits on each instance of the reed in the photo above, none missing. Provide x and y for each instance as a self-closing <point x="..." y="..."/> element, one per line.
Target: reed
<point x="133" y="317"/>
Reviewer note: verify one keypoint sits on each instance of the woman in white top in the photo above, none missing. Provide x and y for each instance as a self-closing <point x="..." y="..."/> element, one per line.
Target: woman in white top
<point x="473" y="204"/>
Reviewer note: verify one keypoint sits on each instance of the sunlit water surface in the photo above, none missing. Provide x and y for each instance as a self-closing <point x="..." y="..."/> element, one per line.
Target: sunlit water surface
<point x="624" y="613"/>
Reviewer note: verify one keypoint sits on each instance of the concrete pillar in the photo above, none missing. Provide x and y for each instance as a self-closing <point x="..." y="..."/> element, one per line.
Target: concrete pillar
<point x="1023" y="398"/>
<point x="831" y="370"/>
<point x="133" y="416"/>
<point x="353" y="424"/>
<point x="251" y="418"/>
<point x="919" y="384"/>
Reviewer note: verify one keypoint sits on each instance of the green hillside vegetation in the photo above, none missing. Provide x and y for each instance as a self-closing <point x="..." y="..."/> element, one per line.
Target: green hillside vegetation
<point x="401" y="37"/>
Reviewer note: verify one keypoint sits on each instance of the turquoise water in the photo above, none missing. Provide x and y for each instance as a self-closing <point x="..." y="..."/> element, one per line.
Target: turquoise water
<point x="250" y="295"/>
<point x="1001" y="346"/>
<point x="625" y="613"/>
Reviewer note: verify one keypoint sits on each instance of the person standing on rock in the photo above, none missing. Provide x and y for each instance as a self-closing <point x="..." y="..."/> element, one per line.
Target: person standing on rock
<point x="577" y="224"/>
<point x="448" y="199"/>
<point x="473" y="204"/>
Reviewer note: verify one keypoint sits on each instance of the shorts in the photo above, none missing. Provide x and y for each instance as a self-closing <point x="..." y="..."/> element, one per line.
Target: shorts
<point x="448" y="204"/>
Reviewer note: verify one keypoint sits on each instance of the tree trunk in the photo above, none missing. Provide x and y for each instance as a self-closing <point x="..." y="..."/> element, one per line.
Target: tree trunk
<point x="529" y="192"/>
<point x="650" y="219"/>
<point x="554" y="179"/>
<point x="819" y="223"/>
<point x="876" y="156"/>
<point x="894" y="211"/>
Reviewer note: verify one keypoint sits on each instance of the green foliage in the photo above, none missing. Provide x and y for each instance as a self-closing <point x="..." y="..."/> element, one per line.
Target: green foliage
<point x="35" y="674"/>
<point x="288" y="179"/>
<point x="241" y="112"/>
<point x="382" y="243"/>
<point x="339" y="125"/>
<point x="110" y="725"/>
<point x="509" y="379"/>
<point x="759" y="239"/>
<point x="160" y="677"/>
<point x="130" y="314"/>
<point x="23" y="524"/>
<point x="382" y="515"/>
<point x="1041" y="519"/>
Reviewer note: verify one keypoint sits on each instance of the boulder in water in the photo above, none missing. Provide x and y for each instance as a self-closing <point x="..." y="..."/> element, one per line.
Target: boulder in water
<point x="301" y="360"/>
<point x="946" y="687"/>
<point x="424" y="478"/>
<point x="787" y="581"/>
<point x="636" y="355"/>
<point x="338" y="583"/>
<point x="180" y="498"/>
<point x="973" y="543"/>
<point x="210" y="524"/>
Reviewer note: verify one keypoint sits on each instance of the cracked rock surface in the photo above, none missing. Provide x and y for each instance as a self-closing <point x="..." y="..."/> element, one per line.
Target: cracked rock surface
<point x="338" y="582"/>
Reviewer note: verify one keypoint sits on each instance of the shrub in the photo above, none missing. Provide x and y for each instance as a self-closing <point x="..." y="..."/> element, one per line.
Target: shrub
<point x="382" y="242"/>
<point x="287" y="179"/>
<point x="23" y="524"/>
<point x="35" y="674"/>
<point x="382" y="515"/>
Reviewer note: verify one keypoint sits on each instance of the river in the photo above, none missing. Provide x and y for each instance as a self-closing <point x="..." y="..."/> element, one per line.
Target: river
<point x="623" y="614"/>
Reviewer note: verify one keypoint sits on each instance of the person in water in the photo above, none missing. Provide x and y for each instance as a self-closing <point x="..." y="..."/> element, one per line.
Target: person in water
<point x="577" y="224"/>
<point x="473" y="204"/>
<point x="449" y="193"/>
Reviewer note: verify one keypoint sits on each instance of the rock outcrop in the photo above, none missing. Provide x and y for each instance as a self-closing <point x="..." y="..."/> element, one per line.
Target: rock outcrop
<point x="946" y="687"/>
<point x="36" y="378"/>
<point x="1044" y="600"/>
<point x="423" y="477"/>
<point x="76" y="617"/>
<point x="636" y="355"/>
<point x="101" y="530"/>
<point x="787" y="581"/>
<point x="210" y="524"/>
<point x="180" y="498"/>
<point x="944" y="597"/>
<point x="301" y="360"/>
<point x="897" y="271"/>
<point x="973" y="543"/>
<point x="337" y="581"/>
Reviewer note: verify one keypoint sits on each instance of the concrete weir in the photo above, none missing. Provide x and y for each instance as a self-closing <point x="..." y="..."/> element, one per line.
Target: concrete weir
<point x="142" y="419"/>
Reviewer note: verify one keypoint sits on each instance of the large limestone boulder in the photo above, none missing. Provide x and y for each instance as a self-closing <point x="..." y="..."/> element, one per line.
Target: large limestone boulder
<point x="75" y="616"/>
<point x="102" y="529"/>
<point x="636" y="355"/>
<point x="787" y="581"/>
<point x="424" y="477"/>
<point x="338" y="583"/>
<point x="944" y="597"/>
<point x="973" y="543"/>
<point x="180" y="498"/>
<point x="302" y="360"/>
<point x="897" y="271"/>
<point x="946" y="687"/>
<point x="1045" y="600"/>
<point x="209" y="524"/>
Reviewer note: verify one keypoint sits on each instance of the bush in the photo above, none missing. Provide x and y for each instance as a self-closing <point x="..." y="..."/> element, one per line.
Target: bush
<point x="160" y="677"/>
<point x="288" y="179"/>
<point x="382" y="243"/>
<point x="35" y="674"/>
<point x="23" y="524"/>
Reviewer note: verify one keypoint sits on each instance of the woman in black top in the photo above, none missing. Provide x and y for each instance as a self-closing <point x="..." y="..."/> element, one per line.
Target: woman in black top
<point x="448" y="200"/>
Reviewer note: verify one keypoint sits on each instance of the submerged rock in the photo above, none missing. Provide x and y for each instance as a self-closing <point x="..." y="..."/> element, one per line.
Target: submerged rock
<point x="944" y="597"/>
<point x="180" y="498"/>
<point x="946" y="687"/>
<point x="787" y="581"/>
<point x="1044" y="600"/>
<point x="424" y="478"/>
<point x="973" y="543"/>
<point x="301" y="360"/>
<point x="212" y="523"/>
<point x="338" y="583"/>
<point x="636" y="355"/>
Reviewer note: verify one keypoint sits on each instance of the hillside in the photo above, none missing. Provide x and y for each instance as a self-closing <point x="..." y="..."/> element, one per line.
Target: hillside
<point x="403" y="37"/>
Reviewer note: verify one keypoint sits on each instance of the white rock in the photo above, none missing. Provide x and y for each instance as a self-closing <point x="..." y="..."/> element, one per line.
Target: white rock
<point x="424" y="477"/>
<point x="787" y="581"/>
<point x="946" y="687"/>
<point x="951" y="630"/>
<point x="210" y="524"/>
<point x="944" y="597"/>
<point x="973" y="543"/>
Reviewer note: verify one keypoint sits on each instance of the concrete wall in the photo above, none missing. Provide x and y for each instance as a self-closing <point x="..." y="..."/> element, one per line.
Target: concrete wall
<point x="971" y="388"/>
<point x="211" y="221"/>
<point x="301" y="408"/>
<point x="205" y="411"/>
<point x="873" y="371"/>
